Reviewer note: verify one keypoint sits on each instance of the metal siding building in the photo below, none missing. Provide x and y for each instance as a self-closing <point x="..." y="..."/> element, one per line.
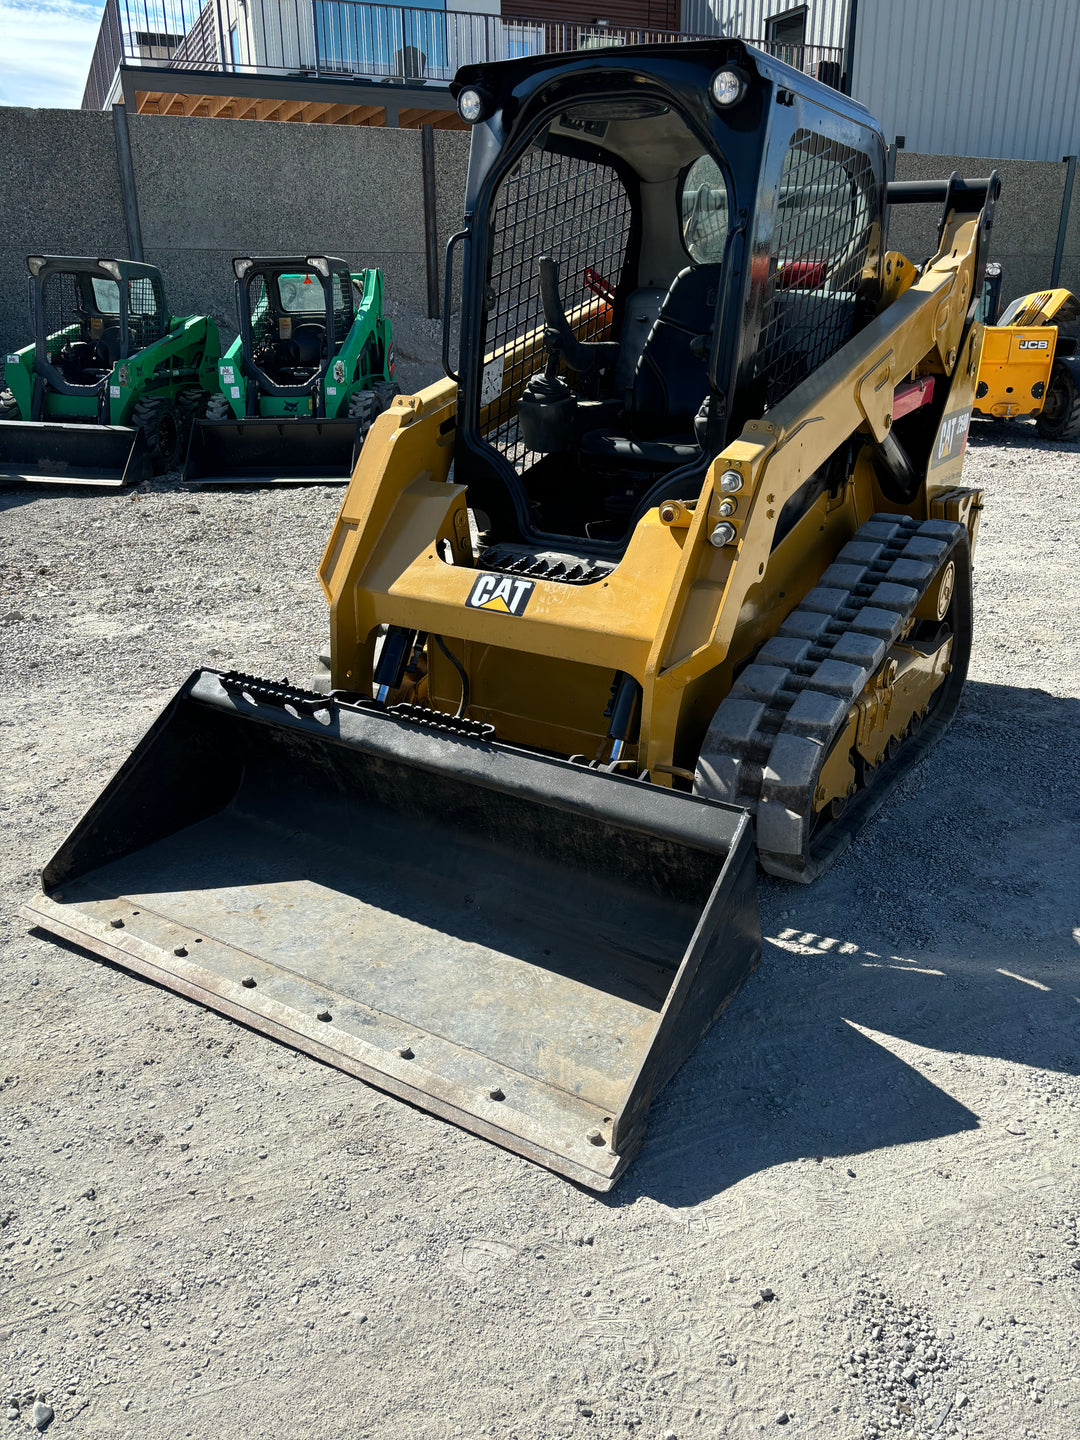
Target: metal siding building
<point x="999" y="78"/>
<point x="826" y="20"/>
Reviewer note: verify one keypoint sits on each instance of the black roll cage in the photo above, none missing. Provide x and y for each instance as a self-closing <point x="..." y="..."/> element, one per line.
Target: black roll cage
<point x="524" y="96"/>
<point x="270" y="269"/>
<point x="117" y="272"/>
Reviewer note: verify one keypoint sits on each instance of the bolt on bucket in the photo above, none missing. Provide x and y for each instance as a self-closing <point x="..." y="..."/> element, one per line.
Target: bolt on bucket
<point x="523" y="946"/>
<point x="46" y="452"/>
<point x="300" y="451"/>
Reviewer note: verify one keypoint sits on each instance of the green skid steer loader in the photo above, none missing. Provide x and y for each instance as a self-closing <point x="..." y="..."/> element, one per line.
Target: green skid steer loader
<point x="298" y="389"/>
<point x="108" y="388"/>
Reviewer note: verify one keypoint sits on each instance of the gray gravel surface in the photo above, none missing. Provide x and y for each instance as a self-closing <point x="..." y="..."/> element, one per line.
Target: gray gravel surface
<point x="857" y="1210"/>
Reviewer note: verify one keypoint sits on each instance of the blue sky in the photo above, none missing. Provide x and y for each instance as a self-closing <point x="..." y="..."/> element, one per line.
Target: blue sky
<point x="45" y="50"/>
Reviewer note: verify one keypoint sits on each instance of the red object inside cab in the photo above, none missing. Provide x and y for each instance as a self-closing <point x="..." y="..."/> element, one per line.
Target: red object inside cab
<point x="801" y="274"/>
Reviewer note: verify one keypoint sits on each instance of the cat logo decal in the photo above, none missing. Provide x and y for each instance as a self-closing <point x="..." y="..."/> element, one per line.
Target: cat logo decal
<point x="506" y="594"/>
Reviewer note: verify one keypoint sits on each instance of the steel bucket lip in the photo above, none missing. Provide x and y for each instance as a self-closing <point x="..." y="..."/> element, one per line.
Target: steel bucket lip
<point x="551" y="1109"/>
<point x="306" y="432"/>
<point x="82" y="437"/>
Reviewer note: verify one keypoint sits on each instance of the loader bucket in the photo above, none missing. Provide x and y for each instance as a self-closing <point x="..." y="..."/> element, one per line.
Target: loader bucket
<point x="49" y="452"/>
<point x="523" y="946"/>
<point x="301" y="451"/>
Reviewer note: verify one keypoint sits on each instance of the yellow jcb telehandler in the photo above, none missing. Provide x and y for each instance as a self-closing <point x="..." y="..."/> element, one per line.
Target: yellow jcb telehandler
<point x="677" y="557"/>
<point x="1030" y="365"/>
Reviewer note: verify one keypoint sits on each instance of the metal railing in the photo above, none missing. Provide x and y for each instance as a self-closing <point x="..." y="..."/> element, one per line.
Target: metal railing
<point x="338" y="38"/>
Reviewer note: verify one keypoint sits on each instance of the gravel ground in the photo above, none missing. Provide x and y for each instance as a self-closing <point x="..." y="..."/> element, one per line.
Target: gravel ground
<point x="857" y="1210"/>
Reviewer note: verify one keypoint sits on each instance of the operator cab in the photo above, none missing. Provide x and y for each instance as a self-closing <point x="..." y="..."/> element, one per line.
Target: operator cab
<point x="297" y="313"/>
<point x="660" y="244"/>
<point x="89" y="315"/>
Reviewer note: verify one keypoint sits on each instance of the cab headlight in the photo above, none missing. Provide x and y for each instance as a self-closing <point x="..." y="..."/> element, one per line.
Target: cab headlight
<point x="472" y="106"/>
<point x="727" y="87"/>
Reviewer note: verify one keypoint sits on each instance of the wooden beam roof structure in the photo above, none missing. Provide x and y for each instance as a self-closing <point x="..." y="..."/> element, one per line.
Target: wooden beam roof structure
<point x="234" y="107"/>
<point x="304" y="100"/>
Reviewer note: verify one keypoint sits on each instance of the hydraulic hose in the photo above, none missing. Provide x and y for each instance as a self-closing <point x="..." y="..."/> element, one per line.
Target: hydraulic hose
<point x="463" y="705"/>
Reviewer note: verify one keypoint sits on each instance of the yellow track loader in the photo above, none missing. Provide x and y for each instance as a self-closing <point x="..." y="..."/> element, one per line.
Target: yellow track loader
<point x="676" y="561"/>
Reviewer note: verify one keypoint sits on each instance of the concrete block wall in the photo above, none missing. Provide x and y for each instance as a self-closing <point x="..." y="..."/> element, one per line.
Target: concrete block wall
<point x="1070" y="265"/>
<point x="1025" y="221"/>
<point x="59" y="195"/>
<point x="208" y="191"/>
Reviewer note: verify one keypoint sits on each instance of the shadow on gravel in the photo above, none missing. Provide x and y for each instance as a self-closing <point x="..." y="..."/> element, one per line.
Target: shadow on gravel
<point x="953" y="924"/>
<point x="789" y="1074"/>
<point x="171" y="483"/>
<point x="950" y="925"/>
<point x="12" y="496"/>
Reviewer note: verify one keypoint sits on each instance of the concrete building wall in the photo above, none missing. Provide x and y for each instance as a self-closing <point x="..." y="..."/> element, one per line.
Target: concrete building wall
<point x="1025" y="222"/>
<point x="209" y="191"/>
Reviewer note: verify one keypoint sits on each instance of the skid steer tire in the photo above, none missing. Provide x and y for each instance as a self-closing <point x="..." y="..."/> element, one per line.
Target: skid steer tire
<point x="218" y="408"/>
<point x="9" y="406"/>
<point x="385" y="393"/>
<point x="190" y="403"/>
<point x="1059" y="418"/>
<point x="162" y="424"/>
<point x="363" y="408"/>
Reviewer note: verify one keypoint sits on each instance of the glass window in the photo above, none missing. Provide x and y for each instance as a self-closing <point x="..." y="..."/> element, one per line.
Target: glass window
<point x="703" y="203"/>
<point x="821" y="242"/>
<point x="302" y="294"/>
<point x="106" y="296"/>
<point x="786" y="35"/>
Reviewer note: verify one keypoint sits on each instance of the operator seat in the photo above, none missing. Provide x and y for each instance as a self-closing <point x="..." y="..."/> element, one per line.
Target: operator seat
<point x="671" y="379"/>
<point x="307" y="347"/>
<point x="292" y="361"/>
<point x="672" y="376"/>
<point x="108" y="346"/>
<point x="82" y="362"/>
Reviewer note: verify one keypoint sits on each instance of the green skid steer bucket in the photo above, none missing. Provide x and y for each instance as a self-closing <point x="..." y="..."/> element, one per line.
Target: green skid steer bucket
<point x="48" y="452"/>
<point x="300" y="451"/>
<point x="523" y="946"/>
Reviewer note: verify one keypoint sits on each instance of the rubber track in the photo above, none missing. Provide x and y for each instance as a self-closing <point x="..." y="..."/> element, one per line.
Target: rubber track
<point x="771" y="736"/>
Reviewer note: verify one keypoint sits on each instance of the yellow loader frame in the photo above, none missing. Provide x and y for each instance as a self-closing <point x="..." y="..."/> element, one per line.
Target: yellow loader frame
<point x="677" y="614"/>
